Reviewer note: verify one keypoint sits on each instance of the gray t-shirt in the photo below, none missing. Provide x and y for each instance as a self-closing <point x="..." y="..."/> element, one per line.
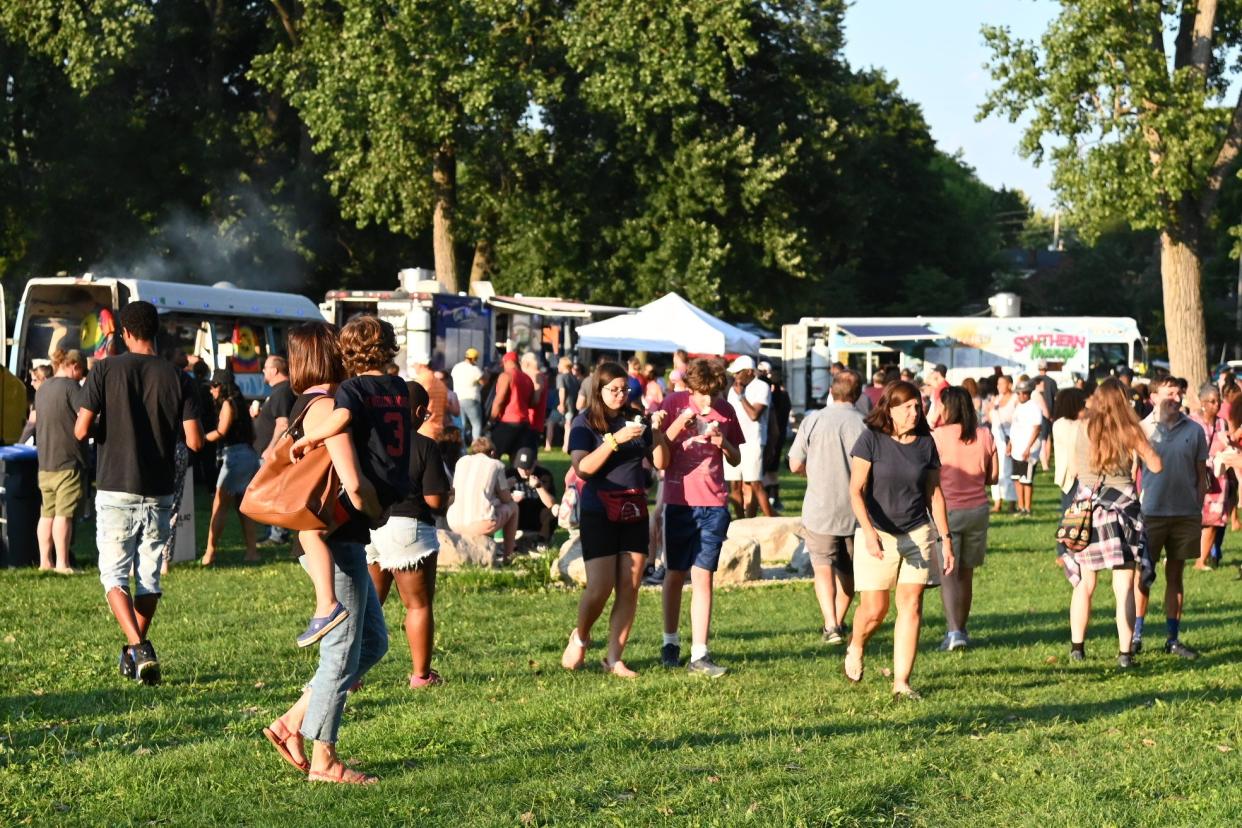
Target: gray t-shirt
<point x="56" y="411"/>
<point x="823" y="444"/>
<point x="896" y="489"/>
<point x="1173" y="491"/>
<point x="570" y="385"/>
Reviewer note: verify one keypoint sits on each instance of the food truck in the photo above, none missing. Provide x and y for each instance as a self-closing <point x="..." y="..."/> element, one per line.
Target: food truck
<point x="969" y="346"/>
<point x="433" y="327"/>
<point x="226" y="326"/>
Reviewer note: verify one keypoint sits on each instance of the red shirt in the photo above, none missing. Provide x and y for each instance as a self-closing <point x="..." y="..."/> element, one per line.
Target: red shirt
<point x="517" y="406"/>
<point x="695" y="474"/>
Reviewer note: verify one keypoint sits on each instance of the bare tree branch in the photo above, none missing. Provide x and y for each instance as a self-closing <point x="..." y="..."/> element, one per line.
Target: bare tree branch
<point x="1205" y="24"/>
<point x="1185" y="35"/>
<point x="1225" y="159"/>
<point x="286" y="20"/>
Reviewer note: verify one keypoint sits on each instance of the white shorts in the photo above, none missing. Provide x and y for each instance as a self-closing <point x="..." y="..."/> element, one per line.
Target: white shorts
<point x="402" y="543"/>
<point x="750" y="465"/>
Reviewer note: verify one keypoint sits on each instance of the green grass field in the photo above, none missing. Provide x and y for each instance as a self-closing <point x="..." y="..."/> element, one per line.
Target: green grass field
<point x="1009" y="733"/>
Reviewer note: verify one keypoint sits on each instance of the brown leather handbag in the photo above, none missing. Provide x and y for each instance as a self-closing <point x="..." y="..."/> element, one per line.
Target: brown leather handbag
<point x="302" y="495"/>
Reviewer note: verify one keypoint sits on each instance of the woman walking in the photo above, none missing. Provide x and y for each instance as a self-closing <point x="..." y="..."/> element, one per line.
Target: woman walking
<point x="404" y="550"/>
<point x="234" y="434"/>
<point x="1222" y="493"/>
<point x="896" y="495"/>
<point x="968" y="465"/>
<point x="1000" y="417"/>
<point x="1108" y="439"/>
<point x="371" y="454"/>
<point x="608" y="445"/>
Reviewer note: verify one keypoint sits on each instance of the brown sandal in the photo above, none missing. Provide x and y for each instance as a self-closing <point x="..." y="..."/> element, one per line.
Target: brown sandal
<point x="279" y="736"/>
<point x="343" y="776"/>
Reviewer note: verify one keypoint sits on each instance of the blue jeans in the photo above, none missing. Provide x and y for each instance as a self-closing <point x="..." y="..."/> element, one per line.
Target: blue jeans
<point x="130" y="532"/>
<point x="346" y="653"/>
<point x="472" y="413"/>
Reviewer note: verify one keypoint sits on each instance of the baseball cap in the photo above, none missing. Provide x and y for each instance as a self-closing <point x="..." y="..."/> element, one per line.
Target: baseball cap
<point x="510" y="356"/>
<point x="764" y="367"/>
<point x="524" y="459"/>
<point x="1027" y="387"/>
<point x="1042" y="365"/>
<point x="742" y="363"/>
<point x="472" y="353"/>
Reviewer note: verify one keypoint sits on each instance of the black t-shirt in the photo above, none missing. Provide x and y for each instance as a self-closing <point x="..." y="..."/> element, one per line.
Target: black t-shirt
<point x="531" y="506"/>
<point x="141" y="402"/>
<point x="382" y="427"/>
<point x="427" y="477"/>
<point x="357" y="526"/>
<point x="56" y="411"/>
<point x="896" y="498"/>
<point x="622" y="470"/>
<point x="278" y="404"/>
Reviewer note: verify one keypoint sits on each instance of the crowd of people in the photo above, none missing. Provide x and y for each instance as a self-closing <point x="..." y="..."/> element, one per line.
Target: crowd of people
<point x="903" y="477"/>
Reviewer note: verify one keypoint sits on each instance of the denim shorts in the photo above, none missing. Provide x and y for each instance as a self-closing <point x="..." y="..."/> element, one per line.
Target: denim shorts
<point x="130" y="531"/>
<point x="238" y="465"/>
<point x="402" y="543"/>
<point x="693" y="536"/>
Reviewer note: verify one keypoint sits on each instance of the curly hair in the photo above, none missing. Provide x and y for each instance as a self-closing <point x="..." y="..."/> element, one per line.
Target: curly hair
<point x="706" y="376"/>
<point x="367" y="344"/>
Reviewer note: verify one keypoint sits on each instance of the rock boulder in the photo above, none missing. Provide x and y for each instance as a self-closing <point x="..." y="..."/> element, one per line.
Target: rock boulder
<point x="457" y="550"/>
<point x="778" y="537"/>
<point x="569" y="566"/>
<point x="739" y="562"/>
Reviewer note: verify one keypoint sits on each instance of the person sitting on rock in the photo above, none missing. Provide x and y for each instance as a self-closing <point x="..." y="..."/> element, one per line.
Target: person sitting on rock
<point x="535" y="494"/>
<point x="482" y="504"/>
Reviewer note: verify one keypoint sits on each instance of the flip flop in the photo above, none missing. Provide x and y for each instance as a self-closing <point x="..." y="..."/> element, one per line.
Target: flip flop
<point x="279" y="735"/>
<point x="342" y="775"/>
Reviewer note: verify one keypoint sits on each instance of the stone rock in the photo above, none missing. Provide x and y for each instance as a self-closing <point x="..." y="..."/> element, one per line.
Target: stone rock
<point x="800" y="563"/>
<point x="457" y="550"/>
<point x="778" y="537"/>
<point x="739" y="562"/>
<point x="569" y="566"/>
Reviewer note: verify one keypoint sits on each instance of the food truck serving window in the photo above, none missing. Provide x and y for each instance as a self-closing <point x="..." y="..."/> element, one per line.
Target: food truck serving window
<point x="67" y="316"/>
<point x="241" y="347"/>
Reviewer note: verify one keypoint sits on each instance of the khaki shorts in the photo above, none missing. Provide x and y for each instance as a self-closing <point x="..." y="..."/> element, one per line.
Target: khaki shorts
<point x="1177" y="536"/>
<point x="969" y="530"/>
<point x="836" y="551"/>
<point x="61" y="491"/>
<point x="908" y="559"/>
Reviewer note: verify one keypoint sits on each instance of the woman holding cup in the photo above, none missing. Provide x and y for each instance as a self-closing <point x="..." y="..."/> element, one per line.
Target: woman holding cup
<point x="608" y="444"/>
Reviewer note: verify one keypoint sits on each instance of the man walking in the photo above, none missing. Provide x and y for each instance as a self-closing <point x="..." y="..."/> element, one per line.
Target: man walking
<point x="62" y="459"/>
<point x="1047" y="387"/>
<point x="272" y="421"/>
<point x="140" y="405"/>
<point x="749" y="397"/>
<point x="821" y="453"/>
<point x="467" y="379"/>
<point x="511" y="407"/>
<point x="1172" y="501"/>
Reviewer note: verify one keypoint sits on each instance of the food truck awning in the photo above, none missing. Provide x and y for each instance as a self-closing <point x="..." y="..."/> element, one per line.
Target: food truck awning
<point x="552" y="306"/>
<point x="889" y="333"/>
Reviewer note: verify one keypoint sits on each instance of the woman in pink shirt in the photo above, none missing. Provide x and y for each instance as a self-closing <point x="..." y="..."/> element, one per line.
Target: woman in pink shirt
<point x="968" y="465"/>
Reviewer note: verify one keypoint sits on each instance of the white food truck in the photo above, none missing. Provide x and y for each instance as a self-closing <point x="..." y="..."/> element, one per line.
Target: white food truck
<point x="969" y="346"/>
<point x="224" y="325"/>
<point x="432" y="326"/>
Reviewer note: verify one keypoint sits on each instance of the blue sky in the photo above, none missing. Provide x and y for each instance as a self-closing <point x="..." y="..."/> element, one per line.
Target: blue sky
<point x="935" y="52"/>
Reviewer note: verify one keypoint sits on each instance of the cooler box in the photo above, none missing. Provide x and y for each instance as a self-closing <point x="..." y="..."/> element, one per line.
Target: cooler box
<point x="19" y="506"/>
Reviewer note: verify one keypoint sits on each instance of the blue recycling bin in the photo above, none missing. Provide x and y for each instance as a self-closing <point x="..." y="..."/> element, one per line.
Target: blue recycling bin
<point x="19" y="506"/>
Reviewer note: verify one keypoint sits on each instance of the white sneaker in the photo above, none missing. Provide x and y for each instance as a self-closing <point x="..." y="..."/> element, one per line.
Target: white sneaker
<point x="953" y="640"/>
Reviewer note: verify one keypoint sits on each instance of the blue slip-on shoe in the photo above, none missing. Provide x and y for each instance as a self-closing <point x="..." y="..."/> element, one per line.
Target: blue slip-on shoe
<point x="319" y="627"/>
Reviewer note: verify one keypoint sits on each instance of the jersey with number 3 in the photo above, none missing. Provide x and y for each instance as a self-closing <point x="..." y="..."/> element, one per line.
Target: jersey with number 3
<point x="381" y="426"/>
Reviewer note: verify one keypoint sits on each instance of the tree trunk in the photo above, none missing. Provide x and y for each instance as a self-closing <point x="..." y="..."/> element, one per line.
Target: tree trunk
<point x="1181" y="275"/>
<point x="484" y="263"/>
<point x="444" y="182"/>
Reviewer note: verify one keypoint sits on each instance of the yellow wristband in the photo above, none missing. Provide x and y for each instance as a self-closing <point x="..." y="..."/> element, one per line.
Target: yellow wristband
<point x="611" y="442"/>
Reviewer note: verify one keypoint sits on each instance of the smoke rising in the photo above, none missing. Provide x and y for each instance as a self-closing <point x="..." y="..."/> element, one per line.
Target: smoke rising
<point x="250" y="243"/>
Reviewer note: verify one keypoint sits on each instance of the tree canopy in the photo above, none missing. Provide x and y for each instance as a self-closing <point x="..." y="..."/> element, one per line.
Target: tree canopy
<point x="586" y="148"/>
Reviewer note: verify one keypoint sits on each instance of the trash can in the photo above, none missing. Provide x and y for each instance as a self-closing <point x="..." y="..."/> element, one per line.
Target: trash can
<point x="19" y="506"/>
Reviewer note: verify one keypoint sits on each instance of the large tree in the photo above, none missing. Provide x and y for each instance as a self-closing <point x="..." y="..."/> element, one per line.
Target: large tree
<point x="1127" y="99"/>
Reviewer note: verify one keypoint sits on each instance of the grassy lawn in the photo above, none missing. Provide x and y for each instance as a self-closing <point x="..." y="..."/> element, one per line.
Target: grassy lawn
<point x="1009" y="731"/>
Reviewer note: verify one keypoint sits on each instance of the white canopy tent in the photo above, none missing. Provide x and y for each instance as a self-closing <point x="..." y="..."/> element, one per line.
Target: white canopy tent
<point x="664" y="326"/>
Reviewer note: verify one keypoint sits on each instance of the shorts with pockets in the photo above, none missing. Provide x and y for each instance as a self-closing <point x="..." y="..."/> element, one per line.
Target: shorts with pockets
<point x="61" y="492"/>
<point x="131" y="531"/>
<point x="908" y="558"/>
<point x="749" y="468"/>
<point x="969" y="530"/>
<point x="602" y="538"/>
<point x="1023" y="471"/>
<point x="693" y="536"/>
<point x="402" y="543"/>
<point x="836" y="551"/>
<point x="1177" y="537"/>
